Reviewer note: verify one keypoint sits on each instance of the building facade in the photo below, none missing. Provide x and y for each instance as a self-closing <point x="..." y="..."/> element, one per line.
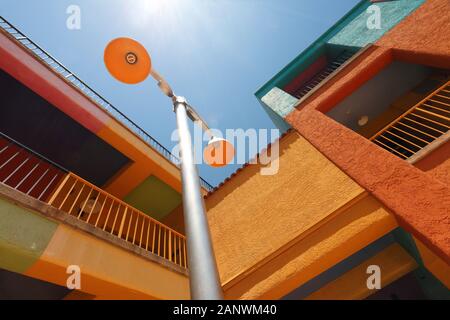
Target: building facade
<point x="363" y="188"/>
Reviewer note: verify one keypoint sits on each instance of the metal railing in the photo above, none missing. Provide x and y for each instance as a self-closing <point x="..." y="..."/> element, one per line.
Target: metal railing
<point x="86" y="202"/>
<point x="323" y="74"/>
<point x="31" y="173"/>
<point x="27" y="171"/>
<point x="90" y="93"/>
<point x="419" y="126"/>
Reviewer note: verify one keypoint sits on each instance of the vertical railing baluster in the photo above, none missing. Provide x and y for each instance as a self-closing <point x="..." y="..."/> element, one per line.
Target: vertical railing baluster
<point x="100" y="212"/>
<point x="115" y="218"/>
<point x="179" y="250"/>
<point x="10" y="159"/>
<point x="58" y="190"/>
<point x="159" y="240"/>
<point x="28" y="174"/>
<point x="107" y="216"/>
<point x="129" y="224"/>
<point x="135" y="228"/>
<point x="184" y="249"/>
<point x="148" y="233"/>
<point x="68" y="193"/>
<point x="85" y="202"/>
<point x="47" y="187"/>
<point x="15" y="170"/>
<point x="76" y="199"/>
<point x="164" y="247"/>
<point x="122" y="223"/>
<point x="142" y="230"/>
<point x="93" y="206"/>
<point x="37" y="182"/>
<point x="154" y="237"/>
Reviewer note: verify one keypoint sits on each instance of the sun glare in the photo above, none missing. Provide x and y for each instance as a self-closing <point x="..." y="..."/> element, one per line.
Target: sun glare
<point x="146" y="10"/>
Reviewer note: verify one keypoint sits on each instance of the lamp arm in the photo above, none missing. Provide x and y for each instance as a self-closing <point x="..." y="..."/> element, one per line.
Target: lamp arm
<point x="191" y="113"/>
<point x="162" y="84"/>
<point x="195" y="117"/>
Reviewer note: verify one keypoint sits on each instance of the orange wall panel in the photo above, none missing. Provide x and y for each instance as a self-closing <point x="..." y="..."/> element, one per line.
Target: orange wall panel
<point x="408" y="192"/>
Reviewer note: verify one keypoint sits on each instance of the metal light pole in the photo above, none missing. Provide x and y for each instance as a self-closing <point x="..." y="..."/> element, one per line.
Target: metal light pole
<point x="203" y="275"/>
<point x="122" y="57"/>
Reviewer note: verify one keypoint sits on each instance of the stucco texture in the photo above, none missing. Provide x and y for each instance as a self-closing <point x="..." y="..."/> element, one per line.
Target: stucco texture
<point x="420" y="202"/>
<point x="437" y="163"/>
<point x="253" y="216"/>
<point x="352" y="228"/>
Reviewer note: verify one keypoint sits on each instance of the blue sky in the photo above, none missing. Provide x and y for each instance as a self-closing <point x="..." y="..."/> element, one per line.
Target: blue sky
<point x="217" y="53"/>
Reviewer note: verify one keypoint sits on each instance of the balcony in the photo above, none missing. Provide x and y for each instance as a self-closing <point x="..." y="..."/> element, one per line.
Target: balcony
<point x="65" y="74"/>
<point x="330" y="67"/>
<point x="418" y="127"/>
<point x="30" y="173"/>
<point x="404" y="109"/>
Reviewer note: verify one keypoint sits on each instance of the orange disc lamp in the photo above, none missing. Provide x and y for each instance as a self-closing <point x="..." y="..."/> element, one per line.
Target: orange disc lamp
<point x="127" y="60"/>
<point x="218" y="153"/>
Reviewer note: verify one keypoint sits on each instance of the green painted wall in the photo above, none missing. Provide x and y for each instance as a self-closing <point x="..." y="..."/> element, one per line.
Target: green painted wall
<point x="24" y="235"/>
<point x="154" y="198"/>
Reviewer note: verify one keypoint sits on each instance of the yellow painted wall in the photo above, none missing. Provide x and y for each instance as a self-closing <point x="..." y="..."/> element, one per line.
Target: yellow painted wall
<point x="107" y="271"/>
<point x="272" y="233"/>
<point x="308" y="256"/>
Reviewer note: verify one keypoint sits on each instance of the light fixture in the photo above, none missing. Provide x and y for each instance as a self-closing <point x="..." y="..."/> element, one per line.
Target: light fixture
<point x="127" y="60"/>
<point x="363" y="121"/>
<point x="218" y="153"/>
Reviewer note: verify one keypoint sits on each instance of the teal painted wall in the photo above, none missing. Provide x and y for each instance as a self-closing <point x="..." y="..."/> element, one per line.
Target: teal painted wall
<point x="277" y="105"/>
<point x="318" y="47"/>
<point x="356" y="33"/>
<point x="350" y="31"/>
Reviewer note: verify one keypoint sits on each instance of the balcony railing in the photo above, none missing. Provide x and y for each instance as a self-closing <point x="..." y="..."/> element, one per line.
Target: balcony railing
<point x="322" y="75"/>
<point x="96" y="207"/>
<point x="90" y="93"/>
<point x="419" y="126"/>
<point x="28" y="172"/>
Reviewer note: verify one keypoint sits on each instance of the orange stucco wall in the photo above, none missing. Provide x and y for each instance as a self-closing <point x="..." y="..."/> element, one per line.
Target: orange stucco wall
<point x="408" y="192"/>
<point x="272" y="233"/>
<point x="437" y="163"/>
